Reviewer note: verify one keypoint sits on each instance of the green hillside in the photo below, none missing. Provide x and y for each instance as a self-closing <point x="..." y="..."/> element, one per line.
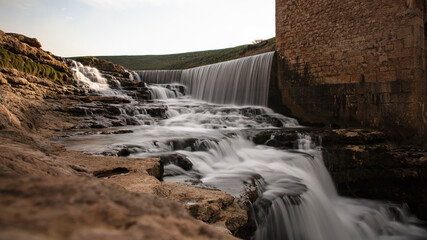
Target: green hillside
<point x="189" y="60"/>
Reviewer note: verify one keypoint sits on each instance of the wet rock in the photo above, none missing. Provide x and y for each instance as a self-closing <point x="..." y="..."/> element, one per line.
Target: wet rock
<point x="156" y="170"/>
<point x="132" y="121"/>
<point x="112" y="110"/>
<point x="183" y="144"/>
<point x="111" y="173"/>
<point x="108" y="99"/>
<point x="279" y="139"/>
<point x="203" y="145"/>
<point x="118" y="123"/>
<point x="158" y="112"/>
<point x="262" y="137"/>
<point x="275" y="122"/>
<point x="124" y="152"/>
<point x="124" y="131"/>
<point x="178" y="160"/>
<point x="422" y="211"/>
<point x="98" y="125"/>
<point x="76" y="110"/>
<point x="246" y="199"/>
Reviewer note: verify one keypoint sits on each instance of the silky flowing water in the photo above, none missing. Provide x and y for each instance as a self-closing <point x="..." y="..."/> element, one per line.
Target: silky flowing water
<point x="297" y="197"/>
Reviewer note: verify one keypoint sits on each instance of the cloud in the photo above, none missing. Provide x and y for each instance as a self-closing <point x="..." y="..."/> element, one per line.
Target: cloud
<point x="69" y="18"/>
<point x="63" y="9"/>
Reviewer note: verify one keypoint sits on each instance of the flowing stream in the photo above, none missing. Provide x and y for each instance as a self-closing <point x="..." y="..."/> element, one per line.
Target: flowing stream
<point x="212" y="114"/>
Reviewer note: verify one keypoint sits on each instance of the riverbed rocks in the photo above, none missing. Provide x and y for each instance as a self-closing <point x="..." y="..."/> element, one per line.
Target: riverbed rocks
<point x="103" y="112"/>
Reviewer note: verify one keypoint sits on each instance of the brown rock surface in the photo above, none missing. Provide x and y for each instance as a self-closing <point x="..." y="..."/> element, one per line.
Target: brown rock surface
<point x="141" y="175"/>
<point x="33" y="42"/>
<point x="47" y="192"/>
<point x="70" y="207"/>
<point x="27" y="48"/>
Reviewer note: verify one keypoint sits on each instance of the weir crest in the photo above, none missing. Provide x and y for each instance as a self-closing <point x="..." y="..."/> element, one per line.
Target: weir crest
<point x="243" y="81"/>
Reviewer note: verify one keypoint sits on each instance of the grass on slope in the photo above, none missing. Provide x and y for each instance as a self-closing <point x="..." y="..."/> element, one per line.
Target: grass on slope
<point x="189" y="60"/>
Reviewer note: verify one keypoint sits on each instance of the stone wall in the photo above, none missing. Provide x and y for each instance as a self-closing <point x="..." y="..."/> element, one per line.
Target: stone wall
<point x="354" y="63"/>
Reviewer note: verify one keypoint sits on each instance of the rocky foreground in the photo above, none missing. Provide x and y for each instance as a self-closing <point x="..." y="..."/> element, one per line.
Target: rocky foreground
<point x="47" y="192"/>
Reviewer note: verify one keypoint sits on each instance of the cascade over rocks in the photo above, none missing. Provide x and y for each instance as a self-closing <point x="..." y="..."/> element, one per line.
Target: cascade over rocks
<point x="104" y="65"/>
<point x="243" y="81"/>
<point x="358" y="157"/>
<point x="49" y="192"/>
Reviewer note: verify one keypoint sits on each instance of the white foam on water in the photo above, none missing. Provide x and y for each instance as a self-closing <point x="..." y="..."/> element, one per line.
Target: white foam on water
<point x="92" y="80"/>
<point x="297" y="197"/>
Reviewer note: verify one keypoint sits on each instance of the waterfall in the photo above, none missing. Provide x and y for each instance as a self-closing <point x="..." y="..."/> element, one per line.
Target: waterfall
<point x="160" y="76"/>
<point x="134" y="76"/>
<point x="297" y="198"/>
<point x="165" y="91"/>
<point x="92" y="80"/>
<point x="243" y="81"/>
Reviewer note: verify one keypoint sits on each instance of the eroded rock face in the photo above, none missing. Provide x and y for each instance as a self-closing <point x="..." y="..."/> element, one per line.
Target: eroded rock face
<point x="381" y="171"/>
<point x="364" y="164"/>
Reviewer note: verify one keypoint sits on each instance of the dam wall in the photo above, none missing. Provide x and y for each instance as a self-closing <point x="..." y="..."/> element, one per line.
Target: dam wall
<point x="354" y="63"/>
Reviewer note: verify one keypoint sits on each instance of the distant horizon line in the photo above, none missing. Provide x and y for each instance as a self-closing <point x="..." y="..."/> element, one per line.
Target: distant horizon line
<point x="165" y="54"/>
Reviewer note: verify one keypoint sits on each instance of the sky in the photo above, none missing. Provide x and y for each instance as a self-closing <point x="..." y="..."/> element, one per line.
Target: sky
<point x="138" y="27"/>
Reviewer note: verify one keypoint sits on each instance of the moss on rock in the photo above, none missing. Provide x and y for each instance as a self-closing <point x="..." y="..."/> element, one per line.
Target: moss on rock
<point x="9" y="59"/>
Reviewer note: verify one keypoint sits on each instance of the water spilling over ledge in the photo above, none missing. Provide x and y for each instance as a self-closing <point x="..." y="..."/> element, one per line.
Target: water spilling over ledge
<point x="212" y="133"/>
<point x="243" y="81"/>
